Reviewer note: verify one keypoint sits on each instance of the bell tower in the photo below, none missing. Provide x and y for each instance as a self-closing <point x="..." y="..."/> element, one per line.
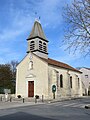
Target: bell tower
<point x="37" y="42"/>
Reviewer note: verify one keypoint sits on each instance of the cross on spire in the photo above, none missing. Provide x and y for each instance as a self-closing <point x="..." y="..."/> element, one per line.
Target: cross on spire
<point x="37" y="17"/>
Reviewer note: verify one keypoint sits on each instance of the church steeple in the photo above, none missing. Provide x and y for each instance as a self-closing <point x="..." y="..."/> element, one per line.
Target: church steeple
<point x="37" y="42"/>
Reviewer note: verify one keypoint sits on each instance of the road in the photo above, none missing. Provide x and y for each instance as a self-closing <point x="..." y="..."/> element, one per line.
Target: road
<point x="65" y="110"/>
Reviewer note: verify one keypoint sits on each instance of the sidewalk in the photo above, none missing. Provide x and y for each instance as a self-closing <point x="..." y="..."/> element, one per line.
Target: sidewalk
<point x="15" y="104"/>
<point x="28" y="102"/>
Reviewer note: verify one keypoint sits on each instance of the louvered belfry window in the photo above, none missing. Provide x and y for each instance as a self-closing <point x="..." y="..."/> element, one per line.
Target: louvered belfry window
<point x="44" y="47"/>
<point x="32" y="45"/>
<point x="40" y="45"/>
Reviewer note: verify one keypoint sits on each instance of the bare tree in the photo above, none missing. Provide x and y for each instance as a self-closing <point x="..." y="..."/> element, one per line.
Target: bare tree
<point x="77" y="31"/>
<point x="13" y="67"/>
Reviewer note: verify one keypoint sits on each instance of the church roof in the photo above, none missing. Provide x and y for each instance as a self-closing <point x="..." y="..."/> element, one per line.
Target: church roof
<point x="37" y="31"/>
<point x="60" y="64"/>
<point x="55" y="63"/>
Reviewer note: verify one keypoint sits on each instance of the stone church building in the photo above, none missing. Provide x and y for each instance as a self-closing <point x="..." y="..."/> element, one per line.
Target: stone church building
<point x="39" y="75"/>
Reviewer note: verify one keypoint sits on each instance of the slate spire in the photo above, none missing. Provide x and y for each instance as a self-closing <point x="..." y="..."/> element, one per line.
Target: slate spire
<point x="37" y="31"/>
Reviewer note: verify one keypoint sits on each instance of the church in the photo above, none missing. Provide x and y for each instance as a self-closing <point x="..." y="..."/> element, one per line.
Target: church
<point x="37" y="74"/>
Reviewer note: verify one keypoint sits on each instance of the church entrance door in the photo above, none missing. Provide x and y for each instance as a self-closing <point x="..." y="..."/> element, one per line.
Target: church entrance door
<point x="30" y="88"/>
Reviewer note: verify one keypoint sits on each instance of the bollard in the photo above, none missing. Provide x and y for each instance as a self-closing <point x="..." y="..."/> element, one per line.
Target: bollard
<point x="10" y="99"/>
<point x="1" y="98"/>
<point x="23" y="100"/>
<point x="6" y="97"/>
<point x="35" y="100"/>
<point x="42" y="98"/>
<point x="53" y="95"/>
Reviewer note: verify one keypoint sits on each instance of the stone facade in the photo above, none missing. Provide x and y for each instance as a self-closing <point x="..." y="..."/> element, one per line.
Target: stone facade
<point x="65" y="90"/>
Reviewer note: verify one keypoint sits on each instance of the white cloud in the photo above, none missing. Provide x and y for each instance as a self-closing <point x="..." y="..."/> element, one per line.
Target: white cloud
<point x="49" y="12"/>
<point x="18" y="27"/>
<point x="22" y="16"/>
<point x="8" y="57"/>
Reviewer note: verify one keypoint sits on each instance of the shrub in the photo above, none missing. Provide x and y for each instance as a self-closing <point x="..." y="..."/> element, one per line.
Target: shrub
<point x="19" y="96"/>
<point x="37" y="96"/>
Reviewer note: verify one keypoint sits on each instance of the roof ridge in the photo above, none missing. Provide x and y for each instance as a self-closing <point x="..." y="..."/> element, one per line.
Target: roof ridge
<point x="87" y="68"/>
<point x="59" y="61"/>
<point x="60" y="64"/>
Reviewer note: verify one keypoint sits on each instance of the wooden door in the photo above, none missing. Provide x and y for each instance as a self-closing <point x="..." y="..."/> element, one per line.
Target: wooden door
<point x="30" y="88"/>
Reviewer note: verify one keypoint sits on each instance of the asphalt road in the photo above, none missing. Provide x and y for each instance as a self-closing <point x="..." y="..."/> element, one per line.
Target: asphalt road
<point x="66" y="110"/>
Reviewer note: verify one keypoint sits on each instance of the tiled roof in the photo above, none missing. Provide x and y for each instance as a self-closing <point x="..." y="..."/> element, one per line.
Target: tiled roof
<point x="37" y="31"/>
<point x="60" y="64"/>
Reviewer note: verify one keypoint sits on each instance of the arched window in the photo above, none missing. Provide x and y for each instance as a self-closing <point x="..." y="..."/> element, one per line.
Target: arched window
<point x="40" y="45"/>
<point x="61" y="81"/>
<point x="44" y="47"/>
<point x="32" y="45"/>
<point x="78" y="83"/>
<point x="30" y="65"/>
<point x="70" y="81"/>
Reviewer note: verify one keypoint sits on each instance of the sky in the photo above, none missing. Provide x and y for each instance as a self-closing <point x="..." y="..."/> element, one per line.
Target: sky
<point x="16" y="21"/>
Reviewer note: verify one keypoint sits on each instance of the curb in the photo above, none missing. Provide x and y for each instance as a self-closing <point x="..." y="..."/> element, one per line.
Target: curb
<point x="53" y="101"/>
